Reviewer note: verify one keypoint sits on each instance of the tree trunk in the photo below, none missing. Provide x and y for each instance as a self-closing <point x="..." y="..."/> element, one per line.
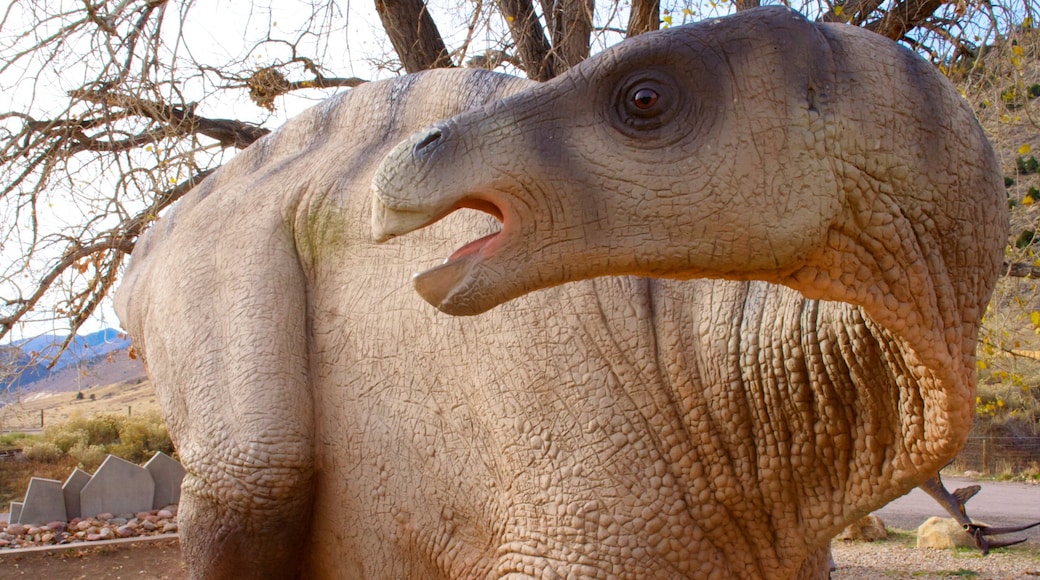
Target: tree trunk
<point x="570" y="26"/>
<point x="529" y="38"/>
<point x="644" y="17"/>
<point x="414" y="35"/>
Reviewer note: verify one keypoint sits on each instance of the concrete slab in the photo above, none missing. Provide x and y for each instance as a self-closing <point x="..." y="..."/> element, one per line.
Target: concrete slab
<point x="44" y="502"/>
<point x="71" y="490"/>
<point x="16" y="511"/>
<point x="118" y="487"/>
<point x="167" y="474"/>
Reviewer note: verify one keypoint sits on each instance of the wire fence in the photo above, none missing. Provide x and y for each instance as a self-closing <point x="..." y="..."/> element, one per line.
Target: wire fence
<point x="1000" y="455"/>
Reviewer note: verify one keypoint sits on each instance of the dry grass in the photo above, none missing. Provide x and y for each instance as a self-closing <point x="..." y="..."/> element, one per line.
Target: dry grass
<point x="118" y="399"/>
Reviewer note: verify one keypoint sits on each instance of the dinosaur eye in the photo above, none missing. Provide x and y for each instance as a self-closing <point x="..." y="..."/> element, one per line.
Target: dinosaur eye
<point x="646" y="102"/>
<point x="644" y="98"/>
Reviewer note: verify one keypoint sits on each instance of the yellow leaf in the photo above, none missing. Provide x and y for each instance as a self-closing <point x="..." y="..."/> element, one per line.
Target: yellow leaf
<point x="1025" y="149"/>
<point x="838" y="10"/>
<point x="1034" y="317"/>
<point x="1017" y="50"/>
<point x="981" y="365"/>
<point x="1027" y="200"/>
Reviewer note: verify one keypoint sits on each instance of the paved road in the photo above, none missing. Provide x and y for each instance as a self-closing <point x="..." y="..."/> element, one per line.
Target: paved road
<point x="1000" y="503"/>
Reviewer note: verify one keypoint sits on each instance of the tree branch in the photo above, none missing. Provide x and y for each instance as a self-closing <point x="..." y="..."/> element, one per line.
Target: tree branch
<point x="1021" y="270"/>
<point x="182" y="121"/>
<point x="904" y="17"/>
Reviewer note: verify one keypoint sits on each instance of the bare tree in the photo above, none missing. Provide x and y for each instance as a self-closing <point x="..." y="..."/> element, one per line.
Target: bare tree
<point x="111" y="104"/>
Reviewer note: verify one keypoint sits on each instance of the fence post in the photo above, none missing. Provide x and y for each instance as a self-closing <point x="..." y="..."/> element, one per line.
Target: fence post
<point x="985" y="455"/>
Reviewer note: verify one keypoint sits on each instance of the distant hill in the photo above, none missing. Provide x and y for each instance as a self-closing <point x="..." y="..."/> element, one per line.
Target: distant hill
<point x="93" y="359"/>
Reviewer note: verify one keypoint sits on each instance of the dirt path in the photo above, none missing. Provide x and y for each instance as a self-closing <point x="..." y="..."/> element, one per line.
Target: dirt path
<point x="157" y="560"/>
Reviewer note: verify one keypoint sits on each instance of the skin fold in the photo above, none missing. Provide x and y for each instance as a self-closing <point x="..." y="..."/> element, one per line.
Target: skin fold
<point x="826" y="221"/>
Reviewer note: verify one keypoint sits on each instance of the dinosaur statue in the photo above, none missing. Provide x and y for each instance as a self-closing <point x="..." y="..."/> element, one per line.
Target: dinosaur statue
<point x="333" y="425"/>
<point x="828" y="194"/>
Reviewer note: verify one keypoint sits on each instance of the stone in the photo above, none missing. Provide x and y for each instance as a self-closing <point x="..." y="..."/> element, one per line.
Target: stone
<point x="167" y="474"/>
<point x="169" y="528"/>
<point x="149" y="526"/>
<point x="164" y="514"/>
<point x="71" y="489"/>
<point x="868" y="529"/>
<point x="17" y="529"/>
<point x="118" y="486"/>
<point x="942" y="533"/>
<point x="83" y="525"/>
<point x="106" y="533"/>
<point x="16" y="512"/>
<point x="125" y="531"/>
<point x="93" y="537"/>
<point x="44" y="502"/>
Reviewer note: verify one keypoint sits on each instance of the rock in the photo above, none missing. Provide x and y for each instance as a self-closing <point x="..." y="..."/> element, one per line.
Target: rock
<point x="149" y="526"/>
<point x="169" y="528"/>
<point x="17" y="529"/>
<point x="106" y="533"/>
<point x="117" y="521"/>
<point x="4" y="543"/>
<point x="105" y="516"/>
<point x="47" y="538"/>
<point x="83" y="525"/>
<point x="125" y="531"/>
<point x="164" y="514"/>
<point x="35" y="530"/>
<point x="942" y="533"/>
<point x="93" y="537"/>
<point x="56" y="526"/>
<point x="970" y="473"/>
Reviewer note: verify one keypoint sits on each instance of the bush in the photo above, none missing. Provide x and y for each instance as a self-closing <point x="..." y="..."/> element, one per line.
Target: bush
<point x="43" y="451"/>
<point x="89" y="456"/>
<point x="89" y="440"/>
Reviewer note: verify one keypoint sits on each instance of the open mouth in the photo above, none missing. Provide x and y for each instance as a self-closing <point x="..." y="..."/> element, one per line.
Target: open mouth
<point x="476" y="246"/>
<point x="443" y="285"/>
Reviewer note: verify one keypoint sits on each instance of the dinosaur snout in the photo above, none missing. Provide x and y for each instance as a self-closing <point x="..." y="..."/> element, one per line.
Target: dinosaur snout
<point x="428" y="141"/>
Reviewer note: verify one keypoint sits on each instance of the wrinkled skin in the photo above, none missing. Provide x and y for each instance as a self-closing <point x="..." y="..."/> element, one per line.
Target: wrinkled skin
<point x="839" y="220"/>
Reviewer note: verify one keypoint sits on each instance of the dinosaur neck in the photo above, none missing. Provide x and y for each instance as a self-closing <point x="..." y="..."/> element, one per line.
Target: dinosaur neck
<point x="904" y="285"/>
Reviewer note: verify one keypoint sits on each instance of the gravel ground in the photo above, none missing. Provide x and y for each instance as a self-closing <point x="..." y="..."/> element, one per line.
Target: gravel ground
<point x="895" y="559"/>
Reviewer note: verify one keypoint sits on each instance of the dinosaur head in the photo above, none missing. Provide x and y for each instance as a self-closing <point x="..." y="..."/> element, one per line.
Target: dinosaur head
<point x="758" y="146"/>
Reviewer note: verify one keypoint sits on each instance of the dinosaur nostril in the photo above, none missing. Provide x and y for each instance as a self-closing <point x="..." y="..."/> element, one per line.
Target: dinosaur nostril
<point x="430" y="139"/>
